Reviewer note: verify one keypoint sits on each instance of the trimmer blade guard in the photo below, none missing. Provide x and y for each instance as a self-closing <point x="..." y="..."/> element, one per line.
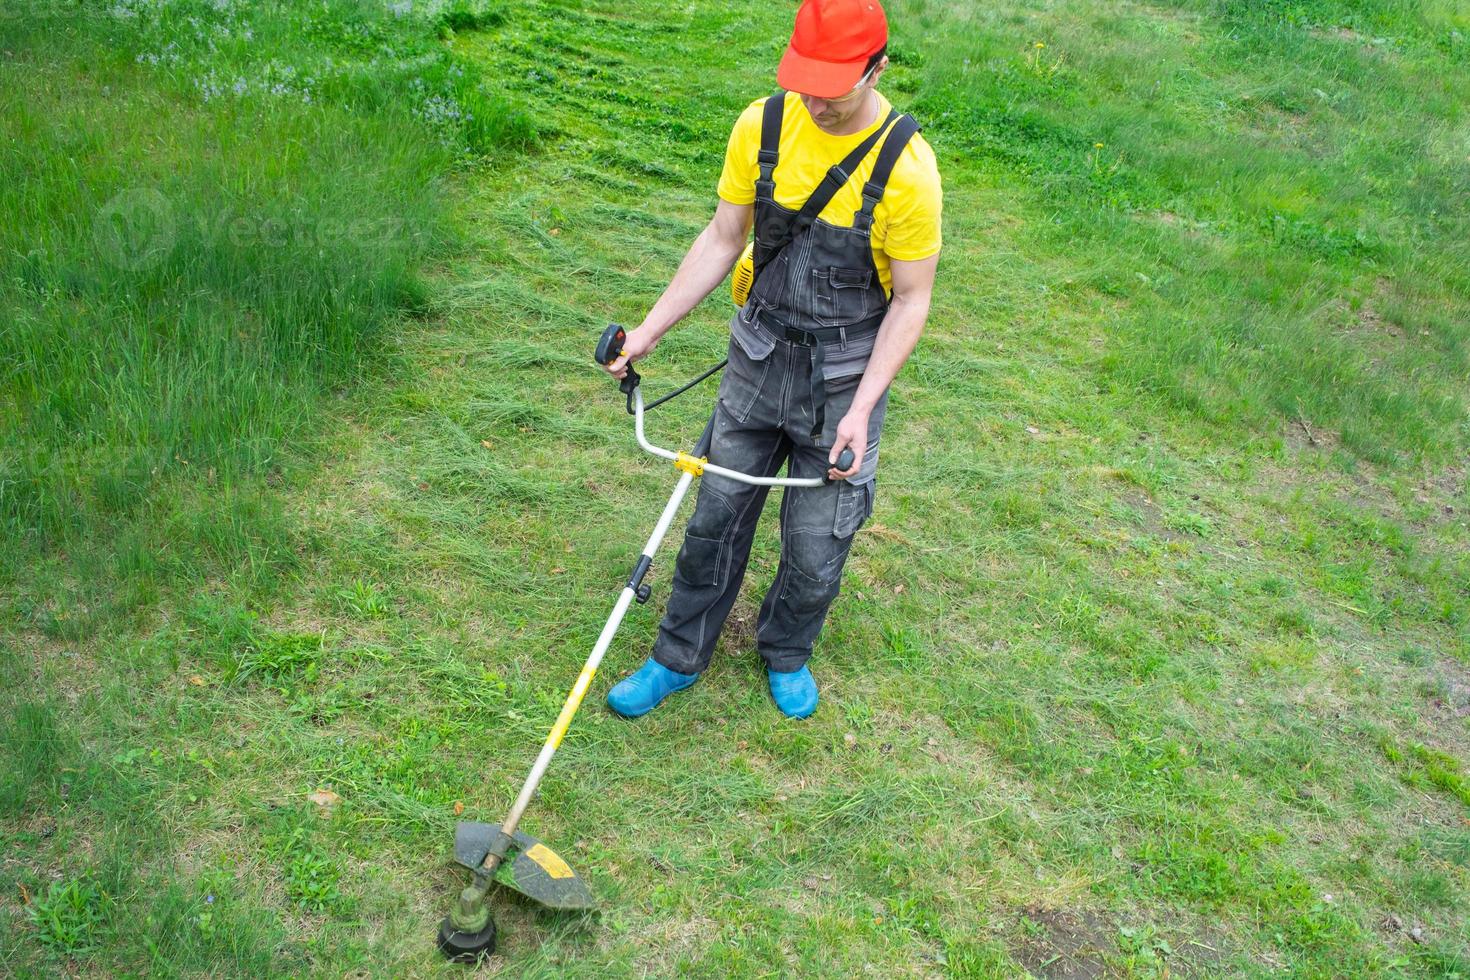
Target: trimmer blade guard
<point x="533" y="869"/>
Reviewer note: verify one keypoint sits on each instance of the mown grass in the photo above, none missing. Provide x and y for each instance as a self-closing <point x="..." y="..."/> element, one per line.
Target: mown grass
<point x="1151" y="661"/>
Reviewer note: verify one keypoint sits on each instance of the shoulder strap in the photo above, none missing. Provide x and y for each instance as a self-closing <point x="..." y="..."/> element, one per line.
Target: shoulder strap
<point x="898" y="138"/>
<point x="838" y="175"/>
<point x="771" y="116"/>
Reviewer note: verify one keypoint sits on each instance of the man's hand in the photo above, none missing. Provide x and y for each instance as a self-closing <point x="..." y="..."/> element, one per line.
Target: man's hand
<point x="639" y="343"/>
<point x="706" y="265"/>
<point x="852" y="432"/>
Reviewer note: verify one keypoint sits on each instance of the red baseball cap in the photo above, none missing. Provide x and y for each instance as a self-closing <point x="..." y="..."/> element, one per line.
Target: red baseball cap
<point x="831" y="45"/>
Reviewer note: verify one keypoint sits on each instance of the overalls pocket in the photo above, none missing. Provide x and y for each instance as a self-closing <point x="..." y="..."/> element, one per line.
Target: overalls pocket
<point x="754" y="339"/>
<point x="843" y="296"/>
<point x="750" y="362"/>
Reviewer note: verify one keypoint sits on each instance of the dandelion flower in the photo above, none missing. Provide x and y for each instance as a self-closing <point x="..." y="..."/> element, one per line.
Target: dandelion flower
<point x="1041" y="44"/>
<point x="1097" y="146"/>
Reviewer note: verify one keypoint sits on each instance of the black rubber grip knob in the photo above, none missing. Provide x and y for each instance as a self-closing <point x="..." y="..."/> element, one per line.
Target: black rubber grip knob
<point x="610" y="344"/>
<point x="844" y="460"/>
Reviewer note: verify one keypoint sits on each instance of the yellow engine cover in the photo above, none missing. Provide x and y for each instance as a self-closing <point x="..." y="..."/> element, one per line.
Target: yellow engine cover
<point x="744" y="276"/>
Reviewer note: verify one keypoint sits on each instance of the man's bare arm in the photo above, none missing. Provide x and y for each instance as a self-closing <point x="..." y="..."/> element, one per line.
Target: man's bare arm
<point x="913" y="285"/>
<point x="705" y="266"/>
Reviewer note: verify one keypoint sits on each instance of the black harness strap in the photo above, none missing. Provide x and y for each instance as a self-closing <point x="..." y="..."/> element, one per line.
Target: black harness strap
<point x="896" y="132"/>
<point x="893" y="147"/>
<point x="837" y="177"/>
<point x="899" y="134"/>
<point x="833" y="181"/>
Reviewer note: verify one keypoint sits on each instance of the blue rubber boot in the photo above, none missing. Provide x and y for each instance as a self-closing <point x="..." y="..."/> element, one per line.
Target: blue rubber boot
<point x="795" y="692"/>
<point x="640" y="693"/>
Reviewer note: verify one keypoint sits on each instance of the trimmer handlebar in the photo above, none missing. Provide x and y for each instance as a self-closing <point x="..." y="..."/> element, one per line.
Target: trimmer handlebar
<point x="610" y="346"/>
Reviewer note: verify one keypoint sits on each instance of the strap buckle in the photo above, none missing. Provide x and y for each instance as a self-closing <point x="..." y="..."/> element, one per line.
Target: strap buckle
<point x="796" y="335"/>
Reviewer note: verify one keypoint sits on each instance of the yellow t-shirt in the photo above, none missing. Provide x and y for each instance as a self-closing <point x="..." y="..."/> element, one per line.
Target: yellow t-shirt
<point x="906" y="223"/>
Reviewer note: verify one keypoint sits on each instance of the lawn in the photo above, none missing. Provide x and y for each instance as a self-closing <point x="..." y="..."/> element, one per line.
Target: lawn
<point x="1154" y="659"/>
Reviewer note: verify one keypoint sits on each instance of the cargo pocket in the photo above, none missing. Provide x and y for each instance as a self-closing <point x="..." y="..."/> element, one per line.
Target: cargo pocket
<point x="699" y="561"/>
<point x="754" y="339"/>
<point x="749" y="363"/>
<point x="843" y="296"/>
<point x="854" y="506"/>
<point x="806" y="597"/>
<point x="741" y="386"/>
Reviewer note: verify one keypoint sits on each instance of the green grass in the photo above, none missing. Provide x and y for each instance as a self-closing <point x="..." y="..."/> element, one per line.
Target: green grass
<point x="188" y="270"/>
<point x="1151" y="662"/>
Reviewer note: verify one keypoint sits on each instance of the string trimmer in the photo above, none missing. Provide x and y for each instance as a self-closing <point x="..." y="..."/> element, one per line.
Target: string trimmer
<point x="500" y="852"/>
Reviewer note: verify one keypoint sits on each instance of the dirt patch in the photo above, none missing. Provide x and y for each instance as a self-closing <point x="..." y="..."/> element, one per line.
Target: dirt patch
<point x="1454" y="700"/>
<point x="1370" y="320"/>
<point x="1078" y="944"/>
<point x="1152" y="516"/>
<point x="1196" y="230"/>
<point x="1450" y="697"/>
<point x="1364" y="325"/>
<point x="1064" y="944"/>
<point x="1380" y="46"/>
<point x="1340" y="34"/>
<point x="1302" y="434"/>
<point x="1445" y="487"/>
<point x="738" y="636"/>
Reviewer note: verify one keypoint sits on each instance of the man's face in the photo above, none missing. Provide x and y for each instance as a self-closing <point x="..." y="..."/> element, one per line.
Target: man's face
<point x="835" y="115"/>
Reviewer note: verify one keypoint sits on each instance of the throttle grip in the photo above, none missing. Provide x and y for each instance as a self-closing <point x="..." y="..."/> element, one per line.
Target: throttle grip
<point x="610" y="344"/>
<point x="844" y="462"/>
<point x="609" y="347"/>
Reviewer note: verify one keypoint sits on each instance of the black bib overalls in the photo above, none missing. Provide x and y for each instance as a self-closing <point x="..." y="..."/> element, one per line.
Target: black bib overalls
<point x="798" y="349"/>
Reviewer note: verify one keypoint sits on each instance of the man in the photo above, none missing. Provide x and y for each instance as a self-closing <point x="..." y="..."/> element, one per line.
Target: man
<point x="839" y="300"/>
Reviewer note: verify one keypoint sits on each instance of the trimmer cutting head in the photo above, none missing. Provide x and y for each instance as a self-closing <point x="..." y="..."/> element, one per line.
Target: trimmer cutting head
<point x="536" y="871"/>
<point x="467" y="934"/>
<point x="466" y="947"/>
